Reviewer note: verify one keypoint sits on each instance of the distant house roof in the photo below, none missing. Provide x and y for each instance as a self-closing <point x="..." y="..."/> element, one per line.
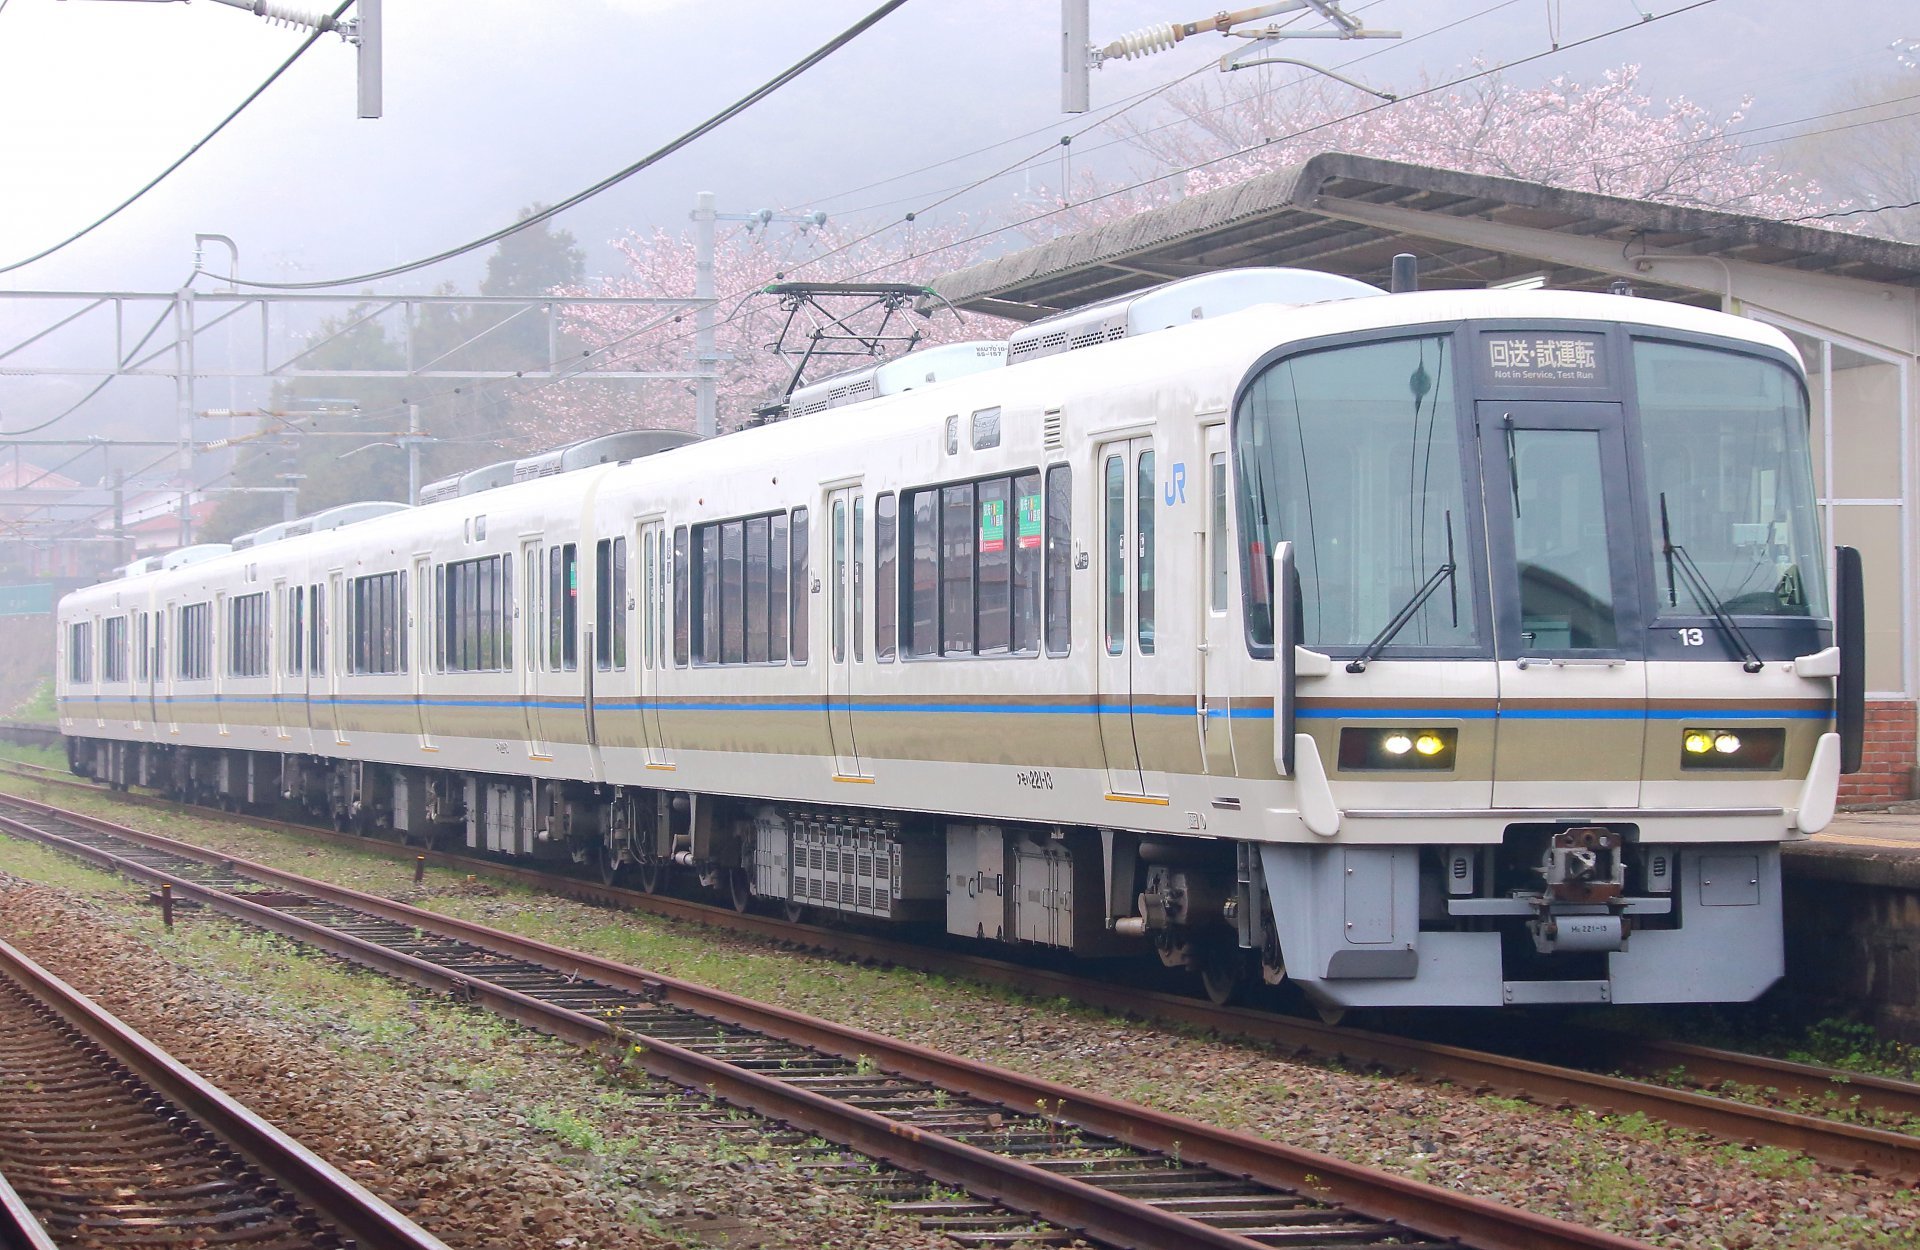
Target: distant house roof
<point x="26" y="475"/>
<point x="1349" y="214"/>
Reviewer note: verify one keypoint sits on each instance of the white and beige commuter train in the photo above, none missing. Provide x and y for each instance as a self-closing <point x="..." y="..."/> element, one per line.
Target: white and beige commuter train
<point x="989" y="633"/>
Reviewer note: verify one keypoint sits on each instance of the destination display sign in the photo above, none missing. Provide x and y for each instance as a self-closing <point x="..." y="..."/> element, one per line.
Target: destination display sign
<point x="1544" y="358"/>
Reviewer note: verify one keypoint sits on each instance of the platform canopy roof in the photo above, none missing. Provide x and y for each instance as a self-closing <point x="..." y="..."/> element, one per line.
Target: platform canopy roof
<point x="1347" y="214"/>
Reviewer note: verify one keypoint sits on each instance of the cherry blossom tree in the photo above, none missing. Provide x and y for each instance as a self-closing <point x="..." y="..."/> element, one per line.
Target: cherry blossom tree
<point x="1607" y="136"/>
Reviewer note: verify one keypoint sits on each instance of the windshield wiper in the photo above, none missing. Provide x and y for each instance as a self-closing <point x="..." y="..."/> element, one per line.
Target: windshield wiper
<point x="1701" y="590"/>
<point x="1399" y="622"/>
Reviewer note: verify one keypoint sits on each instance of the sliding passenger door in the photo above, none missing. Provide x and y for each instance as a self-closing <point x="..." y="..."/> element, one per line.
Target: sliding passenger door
<point x="419" y="619"/>
<point x="533" y="606"/>
<point x="1128" y="613"/>
<point x="337" y="626"/>
<point x="846" y="619"/>
<point x="654" y="613"/>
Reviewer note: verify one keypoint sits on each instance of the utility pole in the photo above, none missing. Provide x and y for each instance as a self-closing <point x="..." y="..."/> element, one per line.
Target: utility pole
<point x="183" y="400"/>
<point x="706" y="357"/>
<point x="706" y="387"/>
<point x="413" y="454"/>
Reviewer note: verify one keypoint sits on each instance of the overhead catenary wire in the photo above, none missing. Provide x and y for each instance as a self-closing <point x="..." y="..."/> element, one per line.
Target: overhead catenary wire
<point x="659" y="154"/>
<point x="184" y="157"/>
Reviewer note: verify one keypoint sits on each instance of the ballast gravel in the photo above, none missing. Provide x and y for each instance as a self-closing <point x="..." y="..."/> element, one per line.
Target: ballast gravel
<point x="1629" y="1175"/>
<point x="486" y="1134"/>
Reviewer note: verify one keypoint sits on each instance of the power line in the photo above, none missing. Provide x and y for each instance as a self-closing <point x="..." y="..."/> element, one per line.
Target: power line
<point x="718" y="119"/>
<point x="1856" y="212"/>
<point x="184" y="157"/>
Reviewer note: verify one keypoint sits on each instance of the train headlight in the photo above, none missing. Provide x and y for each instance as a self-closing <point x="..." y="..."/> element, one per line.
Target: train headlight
<point x="1363" y="750"/>
<point x="1756" y="750"/>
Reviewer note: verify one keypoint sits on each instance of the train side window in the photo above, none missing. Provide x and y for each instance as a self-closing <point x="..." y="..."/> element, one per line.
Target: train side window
<point x="160" y="644"/>
<point x="732" y="592"/>
<point x="838" y="581"/>
<point x="113" y="649"/>
<point x="859" y="577"/>
<point x="504" y="576"/>
<point x="681" y="633"/>
<point x="141" y="642"/>
<point x="196" y="641"/>
<point x="994" y="598"/>
<point x="316" y="632"/>
<point x="1059" y="570"/>
<point x="886" y="574"/>
<point x="1143" y="552"/>
<point x="756" y="601"/>
<point x="706" y="593"/>
<point x="956" y="569"/>
<point x="247" y="635"/>
<point x="296" y="655"/>
<point x="620" y="603"/>
<point x="922" y="588"/>
<point x="802" y="586"/>
<point x="443" y="622"/>
<point x="1217" y="536"/>
<point x="376" y="616"/>
<point x="779" y="552"/>
<point x="603" y="605"/>
<point x="1115" y="539"/>
<point x="1025" y="540"/>
<point x="555" y="593"/>
<point x="80" y="652"/>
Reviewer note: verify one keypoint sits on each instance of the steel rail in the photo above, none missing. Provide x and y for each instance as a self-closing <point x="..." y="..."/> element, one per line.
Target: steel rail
<point x="315" y="1182"/>
<point x="19" y="1230"/>
<point x="1844" y="1144"/>
<point x="1052" y="1195"/>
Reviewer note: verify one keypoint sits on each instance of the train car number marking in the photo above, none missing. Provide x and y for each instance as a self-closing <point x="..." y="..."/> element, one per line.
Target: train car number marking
<point x="1034" y="778"/>
<point x="1691" y="637"/>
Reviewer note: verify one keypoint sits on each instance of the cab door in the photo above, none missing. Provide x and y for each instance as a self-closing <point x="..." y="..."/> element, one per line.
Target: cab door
<point x="1572" y="718"/>
<point x="533" y="603"/>
<point x="1217" y="631"/>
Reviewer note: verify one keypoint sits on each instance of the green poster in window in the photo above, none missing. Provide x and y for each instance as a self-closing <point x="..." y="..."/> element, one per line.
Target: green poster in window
<point x="993" y="525"/>
<point x="1027" y="521"/>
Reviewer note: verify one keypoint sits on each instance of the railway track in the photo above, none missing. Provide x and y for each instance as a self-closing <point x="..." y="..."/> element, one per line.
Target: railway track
<point x="105" y="1140"/>
<point x="1763" y="1100"/>
<point x="1116" y="1172"/>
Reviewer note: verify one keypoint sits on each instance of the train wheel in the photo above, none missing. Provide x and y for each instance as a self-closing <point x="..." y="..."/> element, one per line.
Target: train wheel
<point x="794" y="910"/>
<point x="608" y="862"/>
<point x="653" y="876"/>
<point x="739" y="889"/>
<point x="1223" y="971"/>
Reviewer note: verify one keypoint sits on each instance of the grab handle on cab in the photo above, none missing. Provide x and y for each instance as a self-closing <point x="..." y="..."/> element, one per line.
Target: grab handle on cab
<point x="1850" y="635"/>
<point x="1285" y="590"/>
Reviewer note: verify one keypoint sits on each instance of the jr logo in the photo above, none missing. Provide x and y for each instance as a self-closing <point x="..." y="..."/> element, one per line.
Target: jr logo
<point x="1176" y="489"/>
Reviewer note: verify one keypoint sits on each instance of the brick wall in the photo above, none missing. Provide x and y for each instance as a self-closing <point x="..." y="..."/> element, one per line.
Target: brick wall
<point x="1886" y="767"/>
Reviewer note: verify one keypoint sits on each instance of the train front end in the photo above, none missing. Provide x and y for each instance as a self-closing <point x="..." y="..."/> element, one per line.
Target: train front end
<point x="1552" y="653"/>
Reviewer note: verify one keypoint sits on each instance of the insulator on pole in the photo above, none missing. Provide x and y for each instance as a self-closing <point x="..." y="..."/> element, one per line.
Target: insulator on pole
<point x="1145" y="42"/>
<point x="281" y="15"/>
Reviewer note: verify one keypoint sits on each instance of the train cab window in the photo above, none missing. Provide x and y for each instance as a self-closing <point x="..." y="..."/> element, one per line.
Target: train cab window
<point x="196" y="641"/>
<point x="80" y="652"/>
<point x="886" y="574"/>
<point x="1059" y="563"/>
<point x="247" y="635"/>
<point x="316" y="632"/>
<point x="113" y="649"/>
<point x="681" y="632"/>
<point x="376" y="614"/>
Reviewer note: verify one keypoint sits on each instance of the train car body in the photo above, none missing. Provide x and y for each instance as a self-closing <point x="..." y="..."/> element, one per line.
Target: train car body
<point x="1549" y="678"/>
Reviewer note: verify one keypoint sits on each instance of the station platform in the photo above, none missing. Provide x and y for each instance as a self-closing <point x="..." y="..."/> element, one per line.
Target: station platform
<point x="1852" y="900"/>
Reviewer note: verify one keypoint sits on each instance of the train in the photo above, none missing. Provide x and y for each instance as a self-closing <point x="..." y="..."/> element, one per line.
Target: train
<point x="1415" y="648"/>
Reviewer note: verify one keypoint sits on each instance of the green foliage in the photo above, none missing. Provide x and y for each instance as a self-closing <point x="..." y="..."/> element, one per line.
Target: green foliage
<point x="37" y="707"/>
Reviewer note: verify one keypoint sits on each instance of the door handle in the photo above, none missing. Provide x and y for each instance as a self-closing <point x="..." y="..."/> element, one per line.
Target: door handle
<point x="1596" y="661"/>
